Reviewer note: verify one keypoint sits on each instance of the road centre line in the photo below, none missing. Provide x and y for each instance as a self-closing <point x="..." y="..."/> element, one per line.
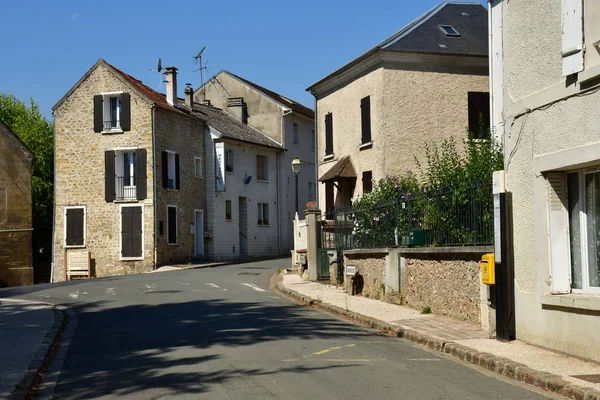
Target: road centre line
<point x="253" y="286"/>
<point x="212" y="285"/>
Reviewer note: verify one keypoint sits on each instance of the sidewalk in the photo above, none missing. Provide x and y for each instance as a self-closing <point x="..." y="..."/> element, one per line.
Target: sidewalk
<point x="534" y="365"/>
<point x="26" y="332"/>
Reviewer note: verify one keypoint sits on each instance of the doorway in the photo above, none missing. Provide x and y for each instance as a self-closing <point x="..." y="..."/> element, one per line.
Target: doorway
<point x="199" y="233"/>
<point x="243" y="224"/>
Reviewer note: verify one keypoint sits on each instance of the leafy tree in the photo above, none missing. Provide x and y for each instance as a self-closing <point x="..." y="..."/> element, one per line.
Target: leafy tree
<point x="30" y="125"/>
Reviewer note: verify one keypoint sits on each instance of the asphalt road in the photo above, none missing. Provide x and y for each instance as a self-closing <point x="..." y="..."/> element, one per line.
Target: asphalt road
<point x="219" y="333"/>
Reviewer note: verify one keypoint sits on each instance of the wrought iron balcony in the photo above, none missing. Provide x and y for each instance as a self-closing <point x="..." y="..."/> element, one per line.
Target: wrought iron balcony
<point x="126" y="188"/>
<point x="112" y="124"/>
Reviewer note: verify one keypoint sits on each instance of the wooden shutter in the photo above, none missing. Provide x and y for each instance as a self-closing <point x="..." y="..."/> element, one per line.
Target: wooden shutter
<point x="136" y="231"/>
<point x="109" y="176"/>
<point x="329" y="200"/>
<point x="365" y="118"/>
<point x="165" y="168"/>
<point x="177" y="181"/>
<point x="172" y="224"/>
<point x="572" y="36"/>
<point x="98" y="114"/>
<point x="329" y="134"/>
<point x="75" y="234"/>
<point x="558" y="233"/>
<point x="367" y="181"/>
<point x="479" y="107"/>
<point x="126" y="232"/>
<point x="125" y="116"/>
<point x="140" y="174"/>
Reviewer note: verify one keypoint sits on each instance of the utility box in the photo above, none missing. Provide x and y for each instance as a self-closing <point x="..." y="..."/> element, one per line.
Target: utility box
<point x="417" y="237"/>
<point x="488" y="270"/>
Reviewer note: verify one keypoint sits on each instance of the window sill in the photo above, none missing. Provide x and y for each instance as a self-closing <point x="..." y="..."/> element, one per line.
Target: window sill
<point x="131" y="258"/>
<point x="119" y="201"/>
<point x="263" y="226"/>
<point x="229" y="172"/>
<point x="172" y="190"/>
<point x="589" y="74"/>
<point x="365" y="146"/>
<point x="575" y="301"/>
<point x="199" y="177"/>
<point x="172" y="244"/>
<point x="328" y="157"/>
<point x="296" y="144"/>
<point x="74" y="246"/>
<point x="112" y="131"/>
<point x="262" y="180"/>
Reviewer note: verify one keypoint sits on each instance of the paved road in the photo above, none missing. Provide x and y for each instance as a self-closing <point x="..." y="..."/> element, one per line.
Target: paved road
<point x="219" y="333"/>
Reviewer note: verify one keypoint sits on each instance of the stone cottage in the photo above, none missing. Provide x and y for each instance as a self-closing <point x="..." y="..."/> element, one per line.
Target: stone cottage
<point x="129" y="175"/>
<point x="16" y="260"/>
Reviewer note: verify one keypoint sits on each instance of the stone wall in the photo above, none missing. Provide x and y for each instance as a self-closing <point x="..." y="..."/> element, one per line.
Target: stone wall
<point x="447" y="283"/>
<point x="371" y="268"/>
<point x="16" y="263"/>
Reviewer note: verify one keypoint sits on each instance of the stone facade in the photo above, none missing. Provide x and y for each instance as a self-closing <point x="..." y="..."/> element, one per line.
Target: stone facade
<point x="80" y="175"/>
<point x="16" y="260"/>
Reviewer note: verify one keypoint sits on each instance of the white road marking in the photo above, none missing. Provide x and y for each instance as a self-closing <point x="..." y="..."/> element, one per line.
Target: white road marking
<point x="110" y="291"/>
<point x="150" y="287"/>
<point x="253" y="286"/>
<point x="84" y="292"/>
<point x="74" y="295"/>
<point x="224" y="290"/>
<point x="42" y="295"/>
<point x="183" y="283"/>
<point x="212" y="285"/>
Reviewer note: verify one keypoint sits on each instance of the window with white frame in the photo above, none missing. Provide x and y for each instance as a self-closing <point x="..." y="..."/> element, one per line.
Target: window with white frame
<point x="263" y="214"/>
<point x="75" y="226"/>
<point x="262" y="168"/>
<point x="198" y="166"/>
<point x="125" y="174"/>
<point x="311" y="191"/>
<point x="296" y="134"/>
<point x="229" y="160"/>
<point x="170" y="170"/>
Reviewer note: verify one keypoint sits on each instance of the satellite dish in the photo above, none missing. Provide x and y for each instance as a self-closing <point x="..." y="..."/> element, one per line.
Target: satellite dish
<point x="159" y="65"/>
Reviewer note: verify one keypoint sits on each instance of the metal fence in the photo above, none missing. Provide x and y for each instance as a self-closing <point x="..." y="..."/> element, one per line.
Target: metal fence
<point x="455" y="217"/>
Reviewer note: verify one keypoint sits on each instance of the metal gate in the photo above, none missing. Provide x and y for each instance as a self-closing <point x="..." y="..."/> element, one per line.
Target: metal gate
<point x="331" y="243"/>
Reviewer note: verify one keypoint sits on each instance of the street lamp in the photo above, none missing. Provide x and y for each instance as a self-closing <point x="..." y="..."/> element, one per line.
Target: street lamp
<point x="296" y="166"/>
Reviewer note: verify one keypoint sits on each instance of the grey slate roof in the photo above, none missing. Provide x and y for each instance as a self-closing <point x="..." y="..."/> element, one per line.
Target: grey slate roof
<point x="232" y="128"/>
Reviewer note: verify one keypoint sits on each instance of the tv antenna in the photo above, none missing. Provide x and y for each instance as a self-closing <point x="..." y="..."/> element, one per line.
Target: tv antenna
<point x="158" y="69"/>
<point x="198" y="58"/>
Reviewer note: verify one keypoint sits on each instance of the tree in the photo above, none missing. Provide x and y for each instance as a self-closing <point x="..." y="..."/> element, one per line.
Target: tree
<point x="28" y="123"/>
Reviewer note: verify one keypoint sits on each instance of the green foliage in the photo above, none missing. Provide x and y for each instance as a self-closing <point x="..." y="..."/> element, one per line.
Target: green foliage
<point x="426" y="310"/>
<point x="28" y="123"/>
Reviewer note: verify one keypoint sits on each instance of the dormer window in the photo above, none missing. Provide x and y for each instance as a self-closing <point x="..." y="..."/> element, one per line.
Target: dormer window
<point x="449" y="30"/>
<point x="112" y="112"/>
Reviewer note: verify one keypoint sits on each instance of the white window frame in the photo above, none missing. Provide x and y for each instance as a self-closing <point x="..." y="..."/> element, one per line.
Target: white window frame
<point x="176" y="226"/>
<point x="106" y="96"/>
<point x="296" y="133"/>
<point x="118" y="161"/>
<point x="261" y="214"/>
<point x="121" y="258"/>
<point x="77" y="246"/>
<point x="196" y="159"/>
<point x="171" y="166"/>
<point x="266" y="168"/>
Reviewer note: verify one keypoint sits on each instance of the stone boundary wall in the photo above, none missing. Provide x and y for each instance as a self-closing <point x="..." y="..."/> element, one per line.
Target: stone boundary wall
<point x="371" y="266"/>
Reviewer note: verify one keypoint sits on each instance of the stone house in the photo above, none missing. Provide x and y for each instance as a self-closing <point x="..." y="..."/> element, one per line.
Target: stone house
<point x="241" y="187"/>
<point x="288" y="123"/>
<point x="16" y="259"/>
<point x="129" y="174"/>
<point x="545" y="101"/>
<point x="425" y="83"/>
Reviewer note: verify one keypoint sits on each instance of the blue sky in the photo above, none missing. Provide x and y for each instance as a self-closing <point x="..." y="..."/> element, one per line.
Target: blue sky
<point x="47" y="46"/>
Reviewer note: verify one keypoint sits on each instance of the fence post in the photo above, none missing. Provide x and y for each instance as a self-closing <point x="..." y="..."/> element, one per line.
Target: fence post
<point x="312" y="242"/>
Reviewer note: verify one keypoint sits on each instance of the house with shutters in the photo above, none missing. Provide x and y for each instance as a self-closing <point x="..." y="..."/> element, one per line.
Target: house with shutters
<point x="288" y="123"/>
<point x="423" y="84"/>
<point x="16" y="258"/>
<point x="129" y="175"/>
<point x="545" y="102"/>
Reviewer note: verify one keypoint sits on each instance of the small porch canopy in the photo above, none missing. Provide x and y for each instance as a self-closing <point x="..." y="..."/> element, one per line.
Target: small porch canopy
<point x="343" y="169"/>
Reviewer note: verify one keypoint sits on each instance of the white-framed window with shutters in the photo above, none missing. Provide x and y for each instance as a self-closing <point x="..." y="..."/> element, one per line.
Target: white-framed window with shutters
<point x="572" y="36"/>
<point x="263" y="214"/>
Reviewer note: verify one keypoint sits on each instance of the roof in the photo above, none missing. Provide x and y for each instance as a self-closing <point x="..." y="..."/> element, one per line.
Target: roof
<point x="424" y="35"/>
<point x="232" y="128"/>
<point x="9" y="132"/>
<point x="342" y="169"/>
<point x="293" y="105"/>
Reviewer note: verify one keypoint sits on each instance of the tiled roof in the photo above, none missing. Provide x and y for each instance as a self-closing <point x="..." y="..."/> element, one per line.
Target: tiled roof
<point x="295" y="106"/>
<point x="232" y="128"/>
<point x="342" y="169"/>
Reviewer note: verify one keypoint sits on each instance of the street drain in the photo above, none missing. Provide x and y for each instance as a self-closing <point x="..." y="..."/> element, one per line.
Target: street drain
<point x="588" y="378"/>
<point x="248" y="273"/>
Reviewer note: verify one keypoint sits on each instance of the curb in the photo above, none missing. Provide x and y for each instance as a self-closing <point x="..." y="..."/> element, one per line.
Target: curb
<point x="500" y="365"/>
<point x="23" y="387"/>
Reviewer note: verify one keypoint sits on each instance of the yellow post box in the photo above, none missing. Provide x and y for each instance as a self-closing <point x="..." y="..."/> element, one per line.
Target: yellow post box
<point x="488" y="270"/>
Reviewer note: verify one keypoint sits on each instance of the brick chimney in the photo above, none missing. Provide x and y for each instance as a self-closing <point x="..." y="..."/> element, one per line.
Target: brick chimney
<point x="237" y="108"/>
<point x="189" y="95"/>
<point x="171" y="79"/>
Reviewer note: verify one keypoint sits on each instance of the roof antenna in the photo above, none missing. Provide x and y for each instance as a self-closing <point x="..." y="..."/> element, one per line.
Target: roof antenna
<point x="158" y="69"/>
<point x="198" y="59"/>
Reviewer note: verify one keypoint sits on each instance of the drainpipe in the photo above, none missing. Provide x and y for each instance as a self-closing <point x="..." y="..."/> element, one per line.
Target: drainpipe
<point x="53" y="209"/>
<point x="154" y="182"/>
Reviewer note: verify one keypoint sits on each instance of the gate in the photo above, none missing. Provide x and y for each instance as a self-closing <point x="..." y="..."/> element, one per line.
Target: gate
<point x="332" y="240"/>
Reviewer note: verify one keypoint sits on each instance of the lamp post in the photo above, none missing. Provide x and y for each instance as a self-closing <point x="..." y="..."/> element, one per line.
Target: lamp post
<point x="296" y="166"/>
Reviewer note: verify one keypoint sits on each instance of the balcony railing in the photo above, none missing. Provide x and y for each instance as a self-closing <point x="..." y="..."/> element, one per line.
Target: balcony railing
<point x="112" y="124"/>
<point x="126" y="188"/>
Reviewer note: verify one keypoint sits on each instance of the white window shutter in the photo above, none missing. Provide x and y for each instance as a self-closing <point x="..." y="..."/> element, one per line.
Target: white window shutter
<point x="572" y="36"/>
<point x="558" y="234"/>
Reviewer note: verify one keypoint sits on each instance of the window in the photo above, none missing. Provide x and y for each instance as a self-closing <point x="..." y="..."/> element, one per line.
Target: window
<point x="263" y="214"/>
<point x="132" y="243"/>
<point x="198" y="166"/>
<point x="329" y="134"/>
<point x="229" y="160"/>
<point x="170" y="170"/>
<point x="479" y="115"/>
<point x="112" y="112"/>
<point x="125" y="175"/>
<point x="228" y="210"/>
<point x="449" y="30"/>
<point x="365" y="118"/>
<point x="311" y="191"/>
<point x="172" y="224"/>
<point x="75" y="226"/>
<point x="313" y="140"/>
<point x="262" y="168"/>
<point x="367" y="181"/>
<point x="296" y="134"/>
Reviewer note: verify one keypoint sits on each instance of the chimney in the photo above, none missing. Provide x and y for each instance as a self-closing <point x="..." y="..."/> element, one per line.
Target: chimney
<point x="237" y="108"/>
<point x="171" y="79"/>
<point x="189" y="95"/>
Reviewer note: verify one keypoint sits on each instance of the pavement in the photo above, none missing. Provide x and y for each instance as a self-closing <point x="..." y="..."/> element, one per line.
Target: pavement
<point x="533" y="365"/>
